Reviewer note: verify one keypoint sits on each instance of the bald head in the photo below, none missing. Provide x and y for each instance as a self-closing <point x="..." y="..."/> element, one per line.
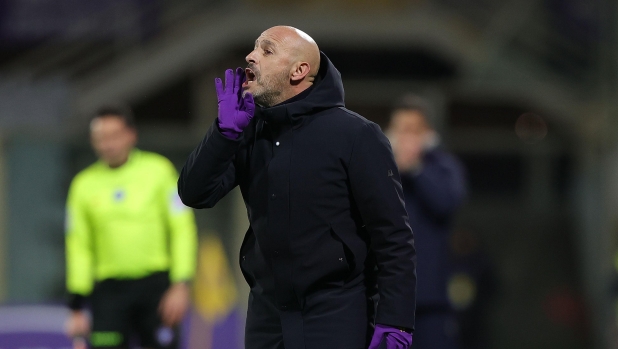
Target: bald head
<point x="301" y="46"/>
<point x="283" y="63"/>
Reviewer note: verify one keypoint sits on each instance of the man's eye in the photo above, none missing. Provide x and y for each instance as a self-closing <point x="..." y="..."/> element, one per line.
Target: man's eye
<point x="268" y="52"/>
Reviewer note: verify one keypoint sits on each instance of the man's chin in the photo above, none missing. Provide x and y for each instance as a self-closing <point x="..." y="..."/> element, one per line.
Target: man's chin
<point x="256" y="94"/>
<point x="251" y="89"/>
<point x="115" y="161"/>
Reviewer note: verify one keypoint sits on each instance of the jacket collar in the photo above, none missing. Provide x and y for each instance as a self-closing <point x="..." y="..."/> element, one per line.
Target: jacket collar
<point x="279" y="114"/>
<point x="326" y="92"/>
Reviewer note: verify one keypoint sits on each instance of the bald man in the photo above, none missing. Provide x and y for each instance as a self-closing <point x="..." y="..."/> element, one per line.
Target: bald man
<point x="329" y="254"/>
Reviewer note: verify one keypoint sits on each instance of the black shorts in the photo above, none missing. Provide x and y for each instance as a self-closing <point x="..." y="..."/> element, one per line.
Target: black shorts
<point x="127" y="309"/>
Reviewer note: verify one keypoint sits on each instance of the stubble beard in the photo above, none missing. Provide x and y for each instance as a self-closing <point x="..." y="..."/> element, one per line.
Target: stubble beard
<point x="270" y="88"/>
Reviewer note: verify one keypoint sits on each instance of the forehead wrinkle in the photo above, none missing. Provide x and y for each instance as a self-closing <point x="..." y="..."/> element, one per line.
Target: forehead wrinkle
<point x="267" y="42"/>
<point x="276" y="37"/>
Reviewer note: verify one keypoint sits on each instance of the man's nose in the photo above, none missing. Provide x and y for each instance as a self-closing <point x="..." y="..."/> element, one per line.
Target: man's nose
<point x="250" y="57"/>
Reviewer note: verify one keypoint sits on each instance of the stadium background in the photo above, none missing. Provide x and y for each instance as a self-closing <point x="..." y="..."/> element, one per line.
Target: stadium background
<point x="524" y="93"/>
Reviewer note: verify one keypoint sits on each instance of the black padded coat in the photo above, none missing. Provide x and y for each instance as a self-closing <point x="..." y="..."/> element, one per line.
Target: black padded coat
<point x="328" y="226"/>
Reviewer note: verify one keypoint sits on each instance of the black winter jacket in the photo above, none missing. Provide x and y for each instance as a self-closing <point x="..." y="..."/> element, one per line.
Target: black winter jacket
<point x="325" y="207"/>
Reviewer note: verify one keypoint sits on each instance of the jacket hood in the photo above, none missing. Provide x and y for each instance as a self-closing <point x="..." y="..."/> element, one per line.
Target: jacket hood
<point x="326" y="92"/>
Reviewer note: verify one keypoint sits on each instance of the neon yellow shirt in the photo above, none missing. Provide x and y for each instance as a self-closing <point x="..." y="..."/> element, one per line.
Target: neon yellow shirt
<point x="127" y="223"/>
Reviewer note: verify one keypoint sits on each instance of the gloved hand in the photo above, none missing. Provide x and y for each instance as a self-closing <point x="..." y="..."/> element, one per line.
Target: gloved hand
<point x="235" y="111"/>
<point x="395" y="338"/>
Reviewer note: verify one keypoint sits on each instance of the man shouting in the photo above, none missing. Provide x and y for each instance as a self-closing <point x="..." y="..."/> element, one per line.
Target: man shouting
<point x="329" y="255"/>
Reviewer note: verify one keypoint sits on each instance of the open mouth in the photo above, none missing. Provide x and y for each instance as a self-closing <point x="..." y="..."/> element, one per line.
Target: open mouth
<point x="250" y="77"/>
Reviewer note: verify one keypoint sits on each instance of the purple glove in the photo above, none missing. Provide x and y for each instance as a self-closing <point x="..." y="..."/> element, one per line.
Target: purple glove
<point x="395" y="338"/>
<point x="235" y="111"/>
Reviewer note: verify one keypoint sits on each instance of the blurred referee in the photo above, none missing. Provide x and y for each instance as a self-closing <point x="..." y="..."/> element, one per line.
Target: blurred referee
<point x="130" y="242"/>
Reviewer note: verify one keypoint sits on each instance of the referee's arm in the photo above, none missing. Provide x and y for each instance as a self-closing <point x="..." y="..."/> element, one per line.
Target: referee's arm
<point x="183" y="232"/>
<point x="79" y="253"/>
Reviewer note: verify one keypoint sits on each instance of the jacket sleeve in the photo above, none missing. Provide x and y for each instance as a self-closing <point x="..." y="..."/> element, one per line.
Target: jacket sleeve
<point x="182" y="230"/>
<point x="440" y="185"/>
<point x="79" y="249"/>
<point x="377" y="192"/>
<point x="209" y="173"/>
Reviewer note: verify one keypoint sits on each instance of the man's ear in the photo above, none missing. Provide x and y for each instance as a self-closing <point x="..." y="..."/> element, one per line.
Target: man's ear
<point x="299" y="71"/>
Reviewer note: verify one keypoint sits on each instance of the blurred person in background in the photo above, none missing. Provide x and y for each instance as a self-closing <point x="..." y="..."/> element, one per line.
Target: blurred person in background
<point x="434" y="187"/>
<point x="323" y="197"/>
<point x="130" y="242"/>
